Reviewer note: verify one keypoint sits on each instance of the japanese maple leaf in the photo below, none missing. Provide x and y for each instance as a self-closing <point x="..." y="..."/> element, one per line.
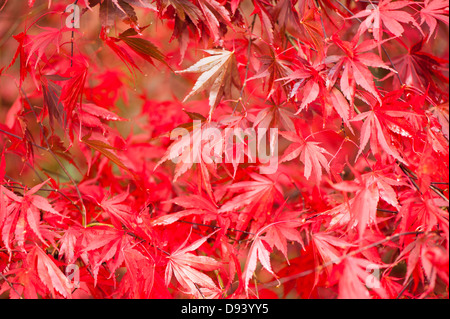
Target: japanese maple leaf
<point x="259" y="250"/>
<point x="52" y="93"/>
<point x="425" y="262"/>
<point x="355" y="277"/>
<point x="23" y="40"/>
<point x="354" y="66"/>
<point x="183" y="8"/>
<point x="261" y="246"/>
<point x="99" y="113"/>
<point x="40" y="42"/>
<point x="373" y="130"/>
<point x="18" y="212"/>
<point x="186" y="266"/>
<point x="25" y="280"/>
<point x="140" y="46"/>
<point x="193" y="205"/>
<point x="396" y="116"/>
<point x="259" y="191"/>
<point x="68" y="243"/>
<point x="274" y="116"/>
<point x="441" y="112"/>
<point x="139" y="279"/>
<point x="50" y="275"/>
<point x="106" y="150"/>
<point x="421" y="70"/>
<point x="368" y="189"/>
<point x="209" y="14"/>
<point x="238" y="139"/>
<point x="187" y="16"/>
<point x="304" y="23"/>
<point x="309" y="78"/>
<point x="72" y="89"/>
<point x="310" y="153"/>
<point x="388" y="14"/>
<point x="120" y="51"/>
<point x="119" y="211"/>
<point x="255" y="200"/>
<point x="110" y="10"/>
<point x="218" y="74"/>
<point x="214" y="13"/>
<point x="100" y="245"/>
<point x="274" y="67"/>
<point x="327" y="246"/>
<point x="283" y="228"/>
<point x="311" y="27"/>
<point x="193" y="147"/>
<point x="311" y="84"/>
<point x="432" y="12"/>
<point x="265" y="18"/>
<point x="424" y="211"/>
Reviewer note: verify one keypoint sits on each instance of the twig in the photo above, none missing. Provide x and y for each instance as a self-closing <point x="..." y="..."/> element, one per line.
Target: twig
<point x="290" y="38"/>
<point x="247" y="67"/>
<point x="71" y="40"/>
<point x="216" y="227"/>
<point x="321" y="19"/>
<point x="405" y="171"/>
<point x="438" y="191"/>
<point x="83" y="208"/>
<point x="339" y="260"/>
<point x="387" y="211"/>
<point x="11" y="285"/>
<point x="404" y="288"/>
<point x="20" y="138"/>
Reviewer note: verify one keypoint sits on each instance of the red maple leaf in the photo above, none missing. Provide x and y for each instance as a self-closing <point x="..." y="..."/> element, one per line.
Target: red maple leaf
<point x="284" y="228"/>
<point x="19" y="212"/>
<point x="388" y="14"/>
<point x="310" y="154"/>
<point x="186" y="266"/>
<point x="433" y="12"/>
<point x="354" y="65"/>
<point x="256" y="198"/>
<point x="356" y="277"/>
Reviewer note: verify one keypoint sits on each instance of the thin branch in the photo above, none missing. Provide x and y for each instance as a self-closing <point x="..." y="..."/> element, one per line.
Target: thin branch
<point x="83" y="208"/>
<point x="216" y="227"/>
<point x="321" y="19"/>
<point x="438" y="191"/>
<point x="20" y="138"/>
<point x="290" y="38"/>
<point x="405" y="171"/>
<point x="11" y="285"/>
<point x="387" y="211"/>
<point x="404" y="288"/>
<point x="340" y="259"/>
<point x="72" y="37"/>
<point x="247" y="67"/>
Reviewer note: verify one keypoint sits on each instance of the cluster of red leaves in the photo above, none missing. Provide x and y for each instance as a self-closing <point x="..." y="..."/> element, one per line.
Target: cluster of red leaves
<point x="92" y="205"/>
